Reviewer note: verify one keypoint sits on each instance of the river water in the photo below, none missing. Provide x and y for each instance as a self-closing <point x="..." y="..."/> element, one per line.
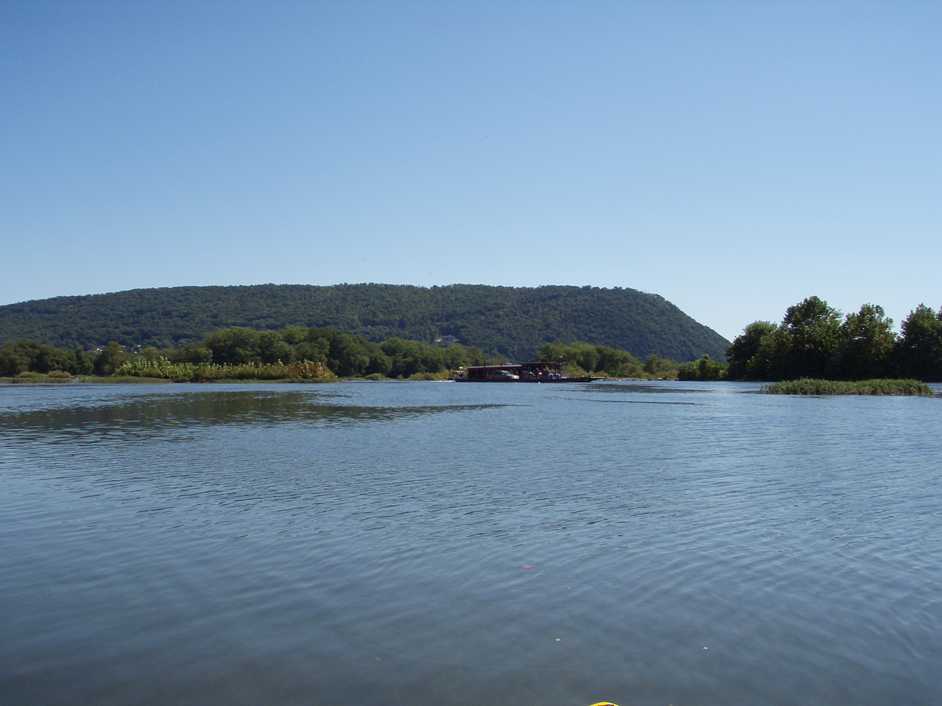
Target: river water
<point x="468" y="544"/>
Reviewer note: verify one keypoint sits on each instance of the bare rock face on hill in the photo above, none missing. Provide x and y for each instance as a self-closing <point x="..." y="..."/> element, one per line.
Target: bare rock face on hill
<point x="512" y="321"/>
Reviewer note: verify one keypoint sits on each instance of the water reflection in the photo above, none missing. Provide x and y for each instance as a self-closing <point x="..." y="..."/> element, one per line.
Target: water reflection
<point x="151" y="415"/>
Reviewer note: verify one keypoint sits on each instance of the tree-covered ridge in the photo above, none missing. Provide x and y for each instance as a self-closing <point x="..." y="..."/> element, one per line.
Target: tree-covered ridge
<point x="510" y="321"/>
<point x="814" y="341"/>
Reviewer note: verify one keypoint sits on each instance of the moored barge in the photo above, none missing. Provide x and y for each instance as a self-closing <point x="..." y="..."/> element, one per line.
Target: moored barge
<point x="537" y="371"/>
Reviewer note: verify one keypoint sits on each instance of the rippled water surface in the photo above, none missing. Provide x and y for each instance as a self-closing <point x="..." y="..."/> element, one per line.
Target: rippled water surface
<point x="437" y="543"/>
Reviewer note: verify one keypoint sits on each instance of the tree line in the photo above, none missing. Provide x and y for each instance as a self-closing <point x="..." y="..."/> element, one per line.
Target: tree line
<point x="815" y="341"/>
<point x="584" y="358"/>
<point x="291" y="351"/>
<point x="266" y="353"/>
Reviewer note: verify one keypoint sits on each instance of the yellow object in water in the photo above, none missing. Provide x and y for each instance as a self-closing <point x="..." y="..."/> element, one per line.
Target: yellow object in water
<point x="604" y="703"/>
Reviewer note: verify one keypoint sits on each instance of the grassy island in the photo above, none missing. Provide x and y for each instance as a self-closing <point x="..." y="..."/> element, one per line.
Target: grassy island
<point x="809" y="386"/>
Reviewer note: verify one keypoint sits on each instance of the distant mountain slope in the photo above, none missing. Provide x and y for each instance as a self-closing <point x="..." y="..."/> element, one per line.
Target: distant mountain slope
<point x="513" y="321"/>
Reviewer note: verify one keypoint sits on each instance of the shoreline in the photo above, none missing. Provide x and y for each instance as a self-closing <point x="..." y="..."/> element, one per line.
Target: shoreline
<point x="797" y="388"/>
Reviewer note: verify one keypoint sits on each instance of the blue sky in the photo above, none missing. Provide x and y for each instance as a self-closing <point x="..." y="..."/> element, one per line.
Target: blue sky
<point x="733" y="157"/>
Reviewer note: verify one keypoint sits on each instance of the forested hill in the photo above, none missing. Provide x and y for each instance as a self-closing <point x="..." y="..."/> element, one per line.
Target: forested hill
<point x="511" y="321"/>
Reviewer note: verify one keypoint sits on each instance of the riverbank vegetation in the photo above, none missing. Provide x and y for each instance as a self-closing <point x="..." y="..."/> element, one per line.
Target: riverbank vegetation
<point x="293" y="353"/>
<point x="814" y="341"/>
<point x="704" y="369"/>
<point x="60" y="376"/>
<point x="581" y="358"/>
<point x="306" y="354"/>
<point x="807" y="386"/>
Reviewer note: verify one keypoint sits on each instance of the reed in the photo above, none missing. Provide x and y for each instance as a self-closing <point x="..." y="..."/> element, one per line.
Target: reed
<point x="810" y="386"/>
<point x="166" y="369"/>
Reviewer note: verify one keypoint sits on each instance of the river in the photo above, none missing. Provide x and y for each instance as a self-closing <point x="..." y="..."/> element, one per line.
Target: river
<point x="468" y="544"/>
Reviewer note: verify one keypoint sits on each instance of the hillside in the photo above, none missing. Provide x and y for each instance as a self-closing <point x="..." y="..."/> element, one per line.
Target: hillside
<point x="512" y="321"/>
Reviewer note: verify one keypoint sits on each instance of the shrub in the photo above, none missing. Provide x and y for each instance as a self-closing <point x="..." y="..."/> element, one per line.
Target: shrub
<point x="30" y="376"/>
<point x="440" y="375"/>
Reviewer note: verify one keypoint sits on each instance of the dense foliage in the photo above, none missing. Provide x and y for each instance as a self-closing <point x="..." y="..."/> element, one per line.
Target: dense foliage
<point x="813" y="341"/>
<point x="512" y="322"/>
<point x="295" y="352"/>
<point x="301" y="353"/>
<point x="704" y="369"/>
<point x="581" y="358"/>
<point x="26" y="356"/>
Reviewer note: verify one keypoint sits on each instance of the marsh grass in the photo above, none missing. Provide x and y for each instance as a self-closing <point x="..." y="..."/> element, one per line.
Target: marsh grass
<point x="210" y="372"/>
<point x="810" y="386"/>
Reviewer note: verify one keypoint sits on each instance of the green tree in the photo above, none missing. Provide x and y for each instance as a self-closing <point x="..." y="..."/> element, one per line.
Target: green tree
<point x="23" y="356"/>
<point x="411" y="357"/>
<point x="47" y="358"/>
<point x="867" y="341"/>
<point x="704" y="369"/>
<point x="659" y="366"/>
<point x="150" y="353"/>
<point x="233" y="346"/>
<point x="379" y="362"/>
<point x="349" y="355"/>
<point x="814" y="331"/>
<point x="293" y="335"/>
<point x="271" y="348"/>
<point x="192" y="353"/>
<point x="14" y="359"/>
<point x="456" y="356"/>
<point x="919" y="347"/>
<point x="552" y="351"/>
<point x="110" y="358"/>
<point x="82" y="362"/>
<point x="742" y="354"/>
<point x="771" y="360"/>
<point x="616" y="362"/>
<point x="586" y="356"/>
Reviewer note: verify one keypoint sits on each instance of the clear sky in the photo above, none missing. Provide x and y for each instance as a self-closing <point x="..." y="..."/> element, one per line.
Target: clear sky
<point x="733" y="157"/>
